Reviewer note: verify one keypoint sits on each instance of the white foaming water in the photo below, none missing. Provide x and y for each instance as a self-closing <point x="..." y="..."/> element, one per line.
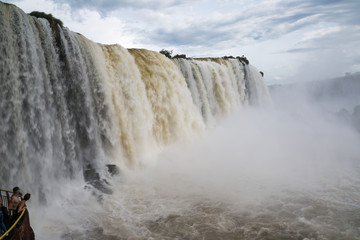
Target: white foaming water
<point x="69" y="105"/>
<point x="260" y="174"/>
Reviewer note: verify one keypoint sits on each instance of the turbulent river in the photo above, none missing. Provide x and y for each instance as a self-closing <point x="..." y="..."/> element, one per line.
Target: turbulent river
<point x="200" y="150"/>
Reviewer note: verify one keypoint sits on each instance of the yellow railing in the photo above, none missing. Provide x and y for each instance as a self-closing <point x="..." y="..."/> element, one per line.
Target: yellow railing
<point x="3" y="190"/>
<point x="17" y="220"/>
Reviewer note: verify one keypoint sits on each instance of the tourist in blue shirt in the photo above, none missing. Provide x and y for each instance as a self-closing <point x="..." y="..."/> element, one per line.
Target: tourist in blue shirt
<point x="2" y="225"/>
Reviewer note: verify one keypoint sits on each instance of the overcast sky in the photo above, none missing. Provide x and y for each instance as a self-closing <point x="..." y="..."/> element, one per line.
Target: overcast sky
<point x="289" y="40"/>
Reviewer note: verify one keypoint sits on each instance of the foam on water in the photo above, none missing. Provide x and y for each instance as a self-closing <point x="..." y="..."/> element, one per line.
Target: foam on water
<point x="252" y="177"/>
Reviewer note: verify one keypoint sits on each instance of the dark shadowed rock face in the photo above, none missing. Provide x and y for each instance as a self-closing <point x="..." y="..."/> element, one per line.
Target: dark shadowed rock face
<point x="92" y="177"/>
<point x="113" y="169"/>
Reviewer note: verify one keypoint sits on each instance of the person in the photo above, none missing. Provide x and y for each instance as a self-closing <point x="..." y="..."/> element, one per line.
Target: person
<point x="14" y="200"/>
<point x="21" y="206"/>
<point x="2" y="224"/>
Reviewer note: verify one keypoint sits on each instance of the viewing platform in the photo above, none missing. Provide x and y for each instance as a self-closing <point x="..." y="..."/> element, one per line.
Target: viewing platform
<point x="19" y="228"/>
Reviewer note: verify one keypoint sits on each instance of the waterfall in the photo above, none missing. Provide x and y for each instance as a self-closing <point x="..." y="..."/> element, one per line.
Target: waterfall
<point x="220" y="86"/>
<point x="69" y="104"/>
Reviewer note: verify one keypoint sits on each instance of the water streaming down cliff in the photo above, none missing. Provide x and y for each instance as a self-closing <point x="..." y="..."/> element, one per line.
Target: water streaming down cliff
<point x="219" y="86"/>
<point x="69" y="104"/>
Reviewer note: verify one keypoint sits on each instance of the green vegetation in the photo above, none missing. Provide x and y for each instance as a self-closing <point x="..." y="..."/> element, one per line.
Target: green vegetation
<point x="51" y="19"/>
<point x="167" y="53"/>
<point x="54" y="23"/>
<point x="243" y="59"/>
<point x="227" y="57"/>
<point x="180" y="56"/>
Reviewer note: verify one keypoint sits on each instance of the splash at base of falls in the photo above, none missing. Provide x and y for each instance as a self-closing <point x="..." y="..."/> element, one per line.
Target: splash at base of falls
<point x="258" y="175"/>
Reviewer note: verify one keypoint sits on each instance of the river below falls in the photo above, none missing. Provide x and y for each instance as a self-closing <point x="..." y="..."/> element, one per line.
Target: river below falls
<point x="328" y="214"/>
<point x="256" y="176"/>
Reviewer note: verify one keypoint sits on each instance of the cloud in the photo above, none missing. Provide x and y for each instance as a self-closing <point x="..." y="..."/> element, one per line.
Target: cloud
<point x="334" y="52"/>
<point x="106" y="6"/>
<point x="278" y="36"/>
<point x="195" y="32"/>
<point x="336" y="11"/>
<point x="299" y="50"/>
<point x="259" y="22"/>
<point x="217" y="23"/>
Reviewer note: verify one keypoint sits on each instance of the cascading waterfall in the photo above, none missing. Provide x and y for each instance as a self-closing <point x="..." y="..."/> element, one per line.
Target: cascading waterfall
<point x="69" y="107"/>
<point x="220" y="86"/>
<point x="69" y="104"/>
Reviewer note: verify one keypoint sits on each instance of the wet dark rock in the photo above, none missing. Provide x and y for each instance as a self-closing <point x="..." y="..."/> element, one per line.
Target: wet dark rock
<point x="90" y="174"/>
<point x="102" y="186"/>
<point x="113" y="169"/>
<point x="92" y="177"/>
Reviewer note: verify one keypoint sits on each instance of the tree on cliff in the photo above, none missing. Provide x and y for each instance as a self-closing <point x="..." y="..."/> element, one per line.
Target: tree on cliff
<point x="167" y="53"/>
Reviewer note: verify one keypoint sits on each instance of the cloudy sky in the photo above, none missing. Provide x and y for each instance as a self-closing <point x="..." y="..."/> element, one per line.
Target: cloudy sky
<point x="289" y="40"/>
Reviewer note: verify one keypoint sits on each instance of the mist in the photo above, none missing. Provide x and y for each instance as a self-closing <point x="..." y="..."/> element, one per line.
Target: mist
<point x="263" y="166"/>
<point x="260" y="172"/>
<point x="258" y="153"/>
<point x="287" y="171"/>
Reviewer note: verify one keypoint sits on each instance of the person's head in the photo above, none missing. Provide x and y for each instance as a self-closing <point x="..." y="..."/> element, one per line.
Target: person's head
<point x="27" y="196"/>
<point x="16" y="190"/>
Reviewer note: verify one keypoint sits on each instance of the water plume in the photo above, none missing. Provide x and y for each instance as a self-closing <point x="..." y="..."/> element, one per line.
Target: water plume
<point x="260" y="173"/>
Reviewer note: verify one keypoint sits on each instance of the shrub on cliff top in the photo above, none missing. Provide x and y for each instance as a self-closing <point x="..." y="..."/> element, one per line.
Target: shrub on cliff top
<point x="243" y="59"/>
<point x="54" y="22"/>
<point x="166" y="53"/>
<point x="51" y="19"/>
<point x="180" y="56"/>
<point x="228" y="57"/>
